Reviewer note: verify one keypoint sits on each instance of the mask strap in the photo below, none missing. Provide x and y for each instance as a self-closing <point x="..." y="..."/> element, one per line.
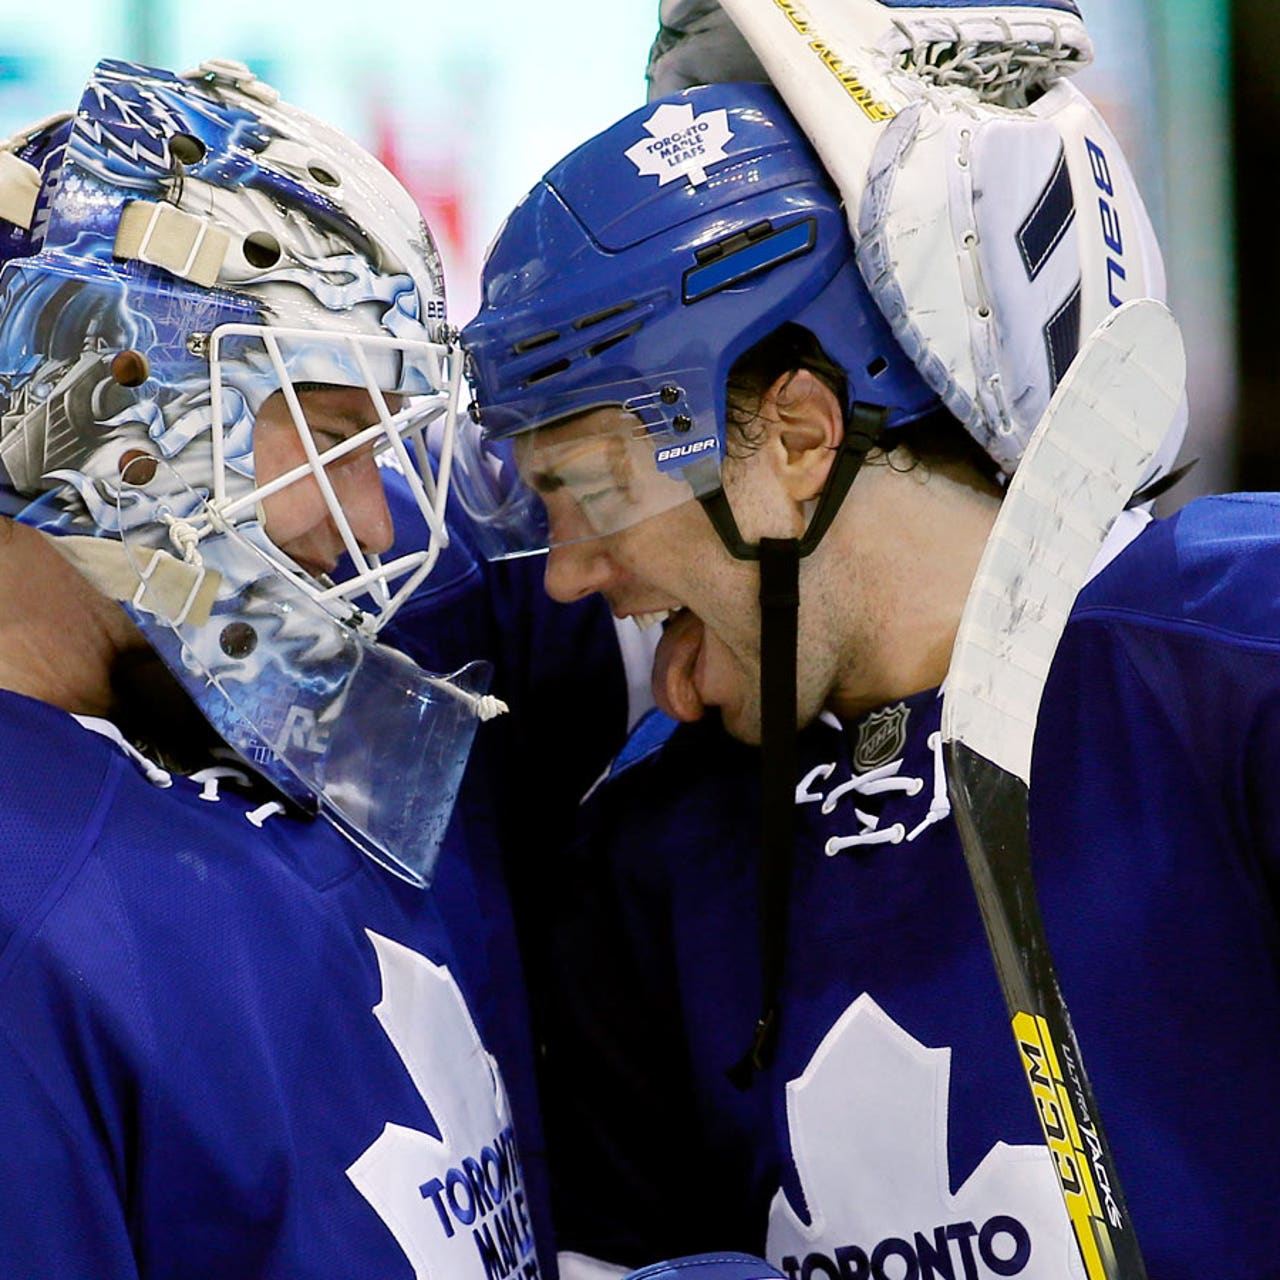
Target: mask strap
<point x="173" y="589"/>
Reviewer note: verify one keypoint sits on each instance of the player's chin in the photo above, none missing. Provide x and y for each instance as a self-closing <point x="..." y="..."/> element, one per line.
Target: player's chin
<point x="314" y="564"/>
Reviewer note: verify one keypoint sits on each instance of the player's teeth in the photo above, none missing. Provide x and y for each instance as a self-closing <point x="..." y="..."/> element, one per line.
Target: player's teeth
<point x="646" y="620"/>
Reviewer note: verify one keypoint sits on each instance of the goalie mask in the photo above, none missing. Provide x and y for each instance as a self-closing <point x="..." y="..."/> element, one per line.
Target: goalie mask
<point x="188" y="264"/>
<point x="632" y="277"/>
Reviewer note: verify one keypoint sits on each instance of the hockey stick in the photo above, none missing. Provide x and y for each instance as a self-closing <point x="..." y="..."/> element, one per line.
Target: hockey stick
<point x="1084" y="461"/>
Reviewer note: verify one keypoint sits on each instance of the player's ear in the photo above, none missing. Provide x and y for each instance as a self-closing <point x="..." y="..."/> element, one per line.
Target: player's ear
<point x="806" y="425"/>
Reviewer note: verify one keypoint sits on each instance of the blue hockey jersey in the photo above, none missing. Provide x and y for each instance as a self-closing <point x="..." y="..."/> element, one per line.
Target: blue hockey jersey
<point x="229" y="1050"/>
<point x="555" y="665"/>
<point x="894" y="1134"/>
<point x="231" y="1045"/>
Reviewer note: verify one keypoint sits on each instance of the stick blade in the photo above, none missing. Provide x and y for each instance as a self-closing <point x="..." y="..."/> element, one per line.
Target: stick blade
<point x="1084" y="461"/>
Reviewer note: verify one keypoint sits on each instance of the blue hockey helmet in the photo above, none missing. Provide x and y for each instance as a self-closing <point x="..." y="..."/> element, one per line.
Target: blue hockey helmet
<point x="633" y="276"/>
<point x="174" y="255"/>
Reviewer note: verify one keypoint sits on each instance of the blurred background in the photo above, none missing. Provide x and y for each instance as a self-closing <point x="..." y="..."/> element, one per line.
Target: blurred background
<point x="469" y="104"/>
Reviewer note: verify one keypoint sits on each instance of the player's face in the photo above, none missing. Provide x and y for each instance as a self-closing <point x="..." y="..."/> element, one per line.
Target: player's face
<point x="674" y="562"/>
<point x="596" y="475"/>
<point x="297" y="518"/>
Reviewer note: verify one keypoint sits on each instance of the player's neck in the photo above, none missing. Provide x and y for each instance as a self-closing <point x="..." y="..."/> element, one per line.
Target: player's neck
<point x="59" y="638"/>
<point x="927" y="528"/>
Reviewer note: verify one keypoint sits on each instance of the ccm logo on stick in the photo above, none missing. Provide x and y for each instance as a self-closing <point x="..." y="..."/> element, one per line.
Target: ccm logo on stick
<point x="1112" y="235"/>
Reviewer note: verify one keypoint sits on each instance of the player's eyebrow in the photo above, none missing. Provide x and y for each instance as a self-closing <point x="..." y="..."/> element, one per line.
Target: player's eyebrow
<point x="343" y="419"/>
<point x="572" y="464"/>
<point x="545" y="481"/>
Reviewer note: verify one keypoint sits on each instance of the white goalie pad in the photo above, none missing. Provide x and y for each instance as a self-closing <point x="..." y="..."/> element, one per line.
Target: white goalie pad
<point x="700" y="43"/>
<point x="995" y="218"/>
<point x="992" y="239"/>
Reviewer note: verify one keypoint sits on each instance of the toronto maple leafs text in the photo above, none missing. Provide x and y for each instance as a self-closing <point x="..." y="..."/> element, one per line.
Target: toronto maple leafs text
<point x="485" y="1195"/>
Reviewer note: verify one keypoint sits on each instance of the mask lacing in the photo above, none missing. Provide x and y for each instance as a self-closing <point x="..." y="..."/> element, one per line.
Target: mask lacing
<point x="1008" y="73"/>
<point x="185" y="537"/>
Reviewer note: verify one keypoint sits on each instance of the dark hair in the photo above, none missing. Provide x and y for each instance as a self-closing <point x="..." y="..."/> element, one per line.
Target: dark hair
<point x="936" y="438"/>
<point x="786" y="350"/>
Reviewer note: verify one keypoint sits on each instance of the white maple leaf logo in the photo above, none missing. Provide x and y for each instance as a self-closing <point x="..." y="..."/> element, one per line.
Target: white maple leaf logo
<point x="455" y="1204"/>
<point x="868" y="1124"/>
<point x="681" y="144"/>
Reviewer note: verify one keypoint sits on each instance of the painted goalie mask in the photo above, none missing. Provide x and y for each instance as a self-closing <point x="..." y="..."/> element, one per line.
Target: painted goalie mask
<point x="188" y="265"/>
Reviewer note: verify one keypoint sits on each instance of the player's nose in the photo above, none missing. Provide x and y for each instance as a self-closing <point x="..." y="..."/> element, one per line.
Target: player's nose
<point x="576" y="570"/>
<point x="364" y="503"/>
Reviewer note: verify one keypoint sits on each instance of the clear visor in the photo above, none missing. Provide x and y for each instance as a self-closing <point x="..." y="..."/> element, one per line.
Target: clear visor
<point x="634" y="453"/>
<point x="406" y="429"/>
<point x="324" y="711"/>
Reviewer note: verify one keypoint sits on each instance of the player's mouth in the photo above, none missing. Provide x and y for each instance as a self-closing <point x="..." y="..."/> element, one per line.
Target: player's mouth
<point x="651" y="619"/>
<point x="321" y="571"/>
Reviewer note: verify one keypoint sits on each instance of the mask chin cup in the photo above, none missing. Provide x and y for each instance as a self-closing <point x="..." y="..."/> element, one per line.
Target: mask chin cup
<point x="394" y="758"/>
<point x="339" y="723"/>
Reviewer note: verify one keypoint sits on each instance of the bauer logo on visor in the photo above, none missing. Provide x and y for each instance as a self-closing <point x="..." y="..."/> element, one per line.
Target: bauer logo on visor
<point x="678" y="454"/>
<point x="681" y="144"/>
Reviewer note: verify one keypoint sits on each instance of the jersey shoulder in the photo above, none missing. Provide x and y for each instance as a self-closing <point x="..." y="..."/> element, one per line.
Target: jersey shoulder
<point x="54" y="783"/>
<point x="1201" y="568"/>
<point x="673" y="794"/>
<point x="650" y="735"/>
<point x="659" y="748"/>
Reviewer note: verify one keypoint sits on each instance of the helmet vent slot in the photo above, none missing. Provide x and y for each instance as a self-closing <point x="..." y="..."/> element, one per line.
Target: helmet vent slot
<point x="731" y="244"/>
<point x="877" y="366"/>
<point x="532" y="344"/>
<point x="613" y="339"/>
<point x="599" y="317"/>
<point x="740" y="257"/>
<point x="547" y="371"/>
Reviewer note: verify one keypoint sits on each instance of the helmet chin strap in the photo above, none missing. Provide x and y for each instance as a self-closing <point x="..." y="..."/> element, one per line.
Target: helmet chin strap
<point x="779" y="608"/>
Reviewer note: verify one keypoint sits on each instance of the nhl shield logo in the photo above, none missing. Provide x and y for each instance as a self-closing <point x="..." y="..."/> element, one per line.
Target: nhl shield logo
<point x="881" y="738"/>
